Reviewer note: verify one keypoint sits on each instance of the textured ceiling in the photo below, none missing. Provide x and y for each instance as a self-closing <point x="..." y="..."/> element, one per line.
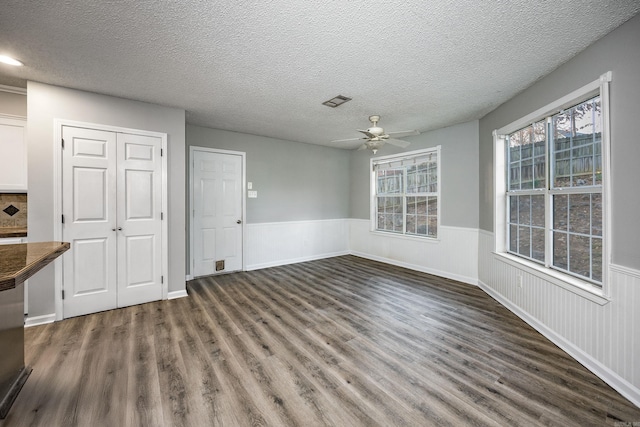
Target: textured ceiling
<point x="265" y="67"/>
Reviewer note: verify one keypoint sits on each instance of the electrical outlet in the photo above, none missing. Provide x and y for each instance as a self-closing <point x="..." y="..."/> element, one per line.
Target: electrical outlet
<point x="520" y="281"/>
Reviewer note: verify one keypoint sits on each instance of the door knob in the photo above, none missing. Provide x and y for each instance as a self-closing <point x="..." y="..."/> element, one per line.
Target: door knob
<point x="119" y="229"/>
<point x="239" y="221"/>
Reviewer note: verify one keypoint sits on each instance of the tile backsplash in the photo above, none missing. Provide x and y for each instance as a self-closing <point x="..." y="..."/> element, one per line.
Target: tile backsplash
<point x="13" y="210"/>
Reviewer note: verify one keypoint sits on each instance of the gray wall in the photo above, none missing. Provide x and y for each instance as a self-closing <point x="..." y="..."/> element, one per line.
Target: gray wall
<point x="617" y="52"/>
<point x="294" y="181"/>
<point x="45" y="103"/>
<point x="13" y="104"/>
<point x="459" y="173"/>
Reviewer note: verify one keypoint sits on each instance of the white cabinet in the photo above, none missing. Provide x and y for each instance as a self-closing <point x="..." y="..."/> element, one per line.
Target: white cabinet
<point x="13" y="154"/>
<point x="13" y="241"/>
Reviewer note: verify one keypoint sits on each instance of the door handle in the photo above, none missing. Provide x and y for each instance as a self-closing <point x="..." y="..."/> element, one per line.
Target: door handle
<point x="119" y="229"/>
<point x="239" y="221"/>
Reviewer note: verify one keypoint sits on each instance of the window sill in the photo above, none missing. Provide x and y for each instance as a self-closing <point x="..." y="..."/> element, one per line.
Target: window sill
<point x="569" y="283"/>
<point x="405" y="236"/>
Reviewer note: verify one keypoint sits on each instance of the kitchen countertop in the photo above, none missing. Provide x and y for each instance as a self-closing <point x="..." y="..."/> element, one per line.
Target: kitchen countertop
<point x="13" y="232"/>
<point x="21" y="261"/>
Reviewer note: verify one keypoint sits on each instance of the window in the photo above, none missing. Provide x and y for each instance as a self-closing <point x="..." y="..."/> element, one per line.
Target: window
<point x="572" y="140"/>
<point x="555" y="184"/>
<point x="406" y="192"/>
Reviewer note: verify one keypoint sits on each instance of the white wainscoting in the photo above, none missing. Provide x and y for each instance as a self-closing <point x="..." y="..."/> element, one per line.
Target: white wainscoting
<point x="280" y="243"/>
<point x="604" y="338"/>
<point x="454" y="255"/>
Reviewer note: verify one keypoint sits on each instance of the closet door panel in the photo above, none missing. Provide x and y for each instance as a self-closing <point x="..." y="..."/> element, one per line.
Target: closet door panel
<point x="139" y="219"/>
<point x="88" y="206"/>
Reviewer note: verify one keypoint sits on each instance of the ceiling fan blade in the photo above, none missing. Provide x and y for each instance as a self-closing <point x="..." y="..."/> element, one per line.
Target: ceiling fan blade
<point x="346" y="140"/>
<point x="402" y="134"/>
<point x="398" y="142"/>
<point x="369" y="134"/>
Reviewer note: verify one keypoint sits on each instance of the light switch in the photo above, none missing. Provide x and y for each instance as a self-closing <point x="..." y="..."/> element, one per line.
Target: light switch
<point x="253" y="194"/>
<point x="249" y="185"/>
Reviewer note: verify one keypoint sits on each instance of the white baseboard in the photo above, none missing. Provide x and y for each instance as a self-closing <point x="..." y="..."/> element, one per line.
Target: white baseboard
<point x="294" y="260"/>
<point x="445" y="274"/>
<point x="621" y="385"/>
<point x="39" y="320"/>
<point x="177" y="294"/>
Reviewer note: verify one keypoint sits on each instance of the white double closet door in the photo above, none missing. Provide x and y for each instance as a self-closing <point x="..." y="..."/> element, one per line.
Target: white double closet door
<point x="111" y="203"/>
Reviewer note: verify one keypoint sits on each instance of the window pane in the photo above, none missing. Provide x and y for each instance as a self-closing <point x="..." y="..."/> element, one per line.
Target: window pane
<point x="580" y="213"/>
<point x="416" y="215"/>
<point x="411" y="224"/>
<point x="513" y="209"/>
<point x="422" y="178"/>
<point x="560" y="250"/>
<point x="524" y="209"/>
<point x="597" y="160"/>
<point x="526" y="154"/>
<point x="411" y="205"/>
<point x="580" y="255"/>
<point x="596" y="262"/>
<point x="561" y="128"/>
<point x="513" y="238"/>
<point x="596" y="214"/>
<point x="540" y="180"/>
<point x="582" y="162"/>
<point x="421" y="225"/>
<point x="526" y="178"/>
<point x="537" y="244"/>
<point x="577" y="136"/>
<point x="433" y="206"/>
<point x="433" y="227"/>
<point x="514" y="177"/>
<point x="397" y="222"/>
<point x="389" y="213"/>
<point x="390" y="181"/>
<point x="560" y="210"/>
<point x="524" y="248"/>
<point x="562" y="173"/>
<point x="537" y="211"/>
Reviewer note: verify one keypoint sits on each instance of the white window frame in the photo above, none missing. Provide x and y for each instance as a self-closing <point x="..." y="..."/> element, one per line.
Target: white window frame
<point x="581" y="287"/>
<point x="373" y="185"/>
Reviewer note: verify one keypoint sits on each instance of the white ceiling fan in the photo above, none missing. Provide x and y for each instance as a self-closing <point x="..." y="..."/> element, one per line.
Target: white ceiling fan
<point x="376" y="137"/>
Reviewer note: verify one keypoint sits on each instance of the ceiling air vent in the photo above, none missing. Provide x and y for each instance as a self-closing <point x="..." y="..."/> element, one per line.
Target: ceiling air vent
<point x="336" y="101"/>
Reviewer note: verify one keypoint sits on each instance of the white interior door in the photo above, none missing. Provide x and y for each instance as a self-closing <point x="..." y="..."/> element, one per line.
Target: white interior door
<point x="111" y="205"/>
<point x="89" y="200"/>
<point x="217" y="212"/>
<point x="139" y="229"/>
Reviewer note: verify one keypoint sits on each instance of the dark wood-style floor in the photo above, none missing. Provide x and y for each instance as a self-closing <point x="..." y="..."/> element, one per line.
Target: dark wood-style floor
<point x="341" y="341"/>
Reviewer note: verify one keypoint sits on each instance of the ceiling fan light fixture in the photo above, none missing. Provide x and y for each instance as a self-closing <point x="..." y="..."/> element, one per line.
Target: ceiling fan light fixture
<point x="336" y="101"/>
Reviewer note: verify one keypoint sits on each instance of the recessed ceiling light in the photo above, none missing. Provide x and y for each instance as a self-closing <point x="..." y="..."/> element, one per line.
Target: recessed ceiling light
<point x="9" y="60"/>
<point x="336" y="101"/>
